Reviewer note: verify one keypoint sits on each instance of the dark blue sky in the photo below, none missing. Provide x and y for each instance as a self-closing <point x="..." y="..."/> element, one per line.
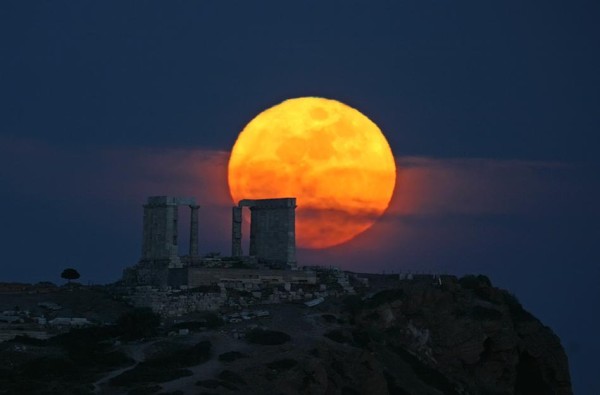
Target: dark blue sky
<point x="491" y="109"/>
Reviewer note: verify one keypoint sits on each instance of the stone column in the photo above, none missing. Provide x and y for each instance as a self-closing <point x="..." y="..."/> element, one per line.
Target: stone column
<point x="194" y="230"/>
<point x="147" y="241"/>
<point x="236" y="231"/>
<point x="173" y="215"/>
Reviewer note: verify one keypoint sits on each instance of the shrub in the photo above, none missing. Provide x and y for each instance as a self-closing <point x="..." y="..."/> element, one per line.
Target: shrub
<point x="231" y="377"/>
<point x="267" y="337"/>
<point x="374" y="316"/>
<point x="142" y="374"/>
<point x="145" y="390"/>
<point x="89" y="347"/>
<point x="85" y="339"/>
<point x="375" y="335"/>
<point x="213" y="320"/>
<point x="30" y="341"/>
<point x="329" y="318"/>
<point x="231" y="356"/>
<point x="385" y="296"/>
<point x="337" y="336"/>
<point x="361" y="338"/>
<point x="208" y="320"/>
<point x="210" y="383"/>
<point x="112" y="359"/>
<point x="183" y="357"/>
<point x="282" y="364"/>
<point x="51" y="368"/>
<point x="191" y="325"/>
<point x="352" y="304"/>
<point x="138" y="323"/>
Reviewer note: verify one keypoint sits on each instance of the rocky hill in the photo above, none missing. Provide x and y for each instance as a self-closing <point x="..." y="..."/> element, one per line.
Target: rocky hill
<point x="416" y="337"/>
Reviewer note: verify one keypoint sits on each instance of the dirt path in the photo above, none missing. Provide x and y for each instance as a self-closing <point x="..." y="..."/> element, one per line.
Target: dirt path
<point x="300" y="323"/>
<point x="135" y="352"/>
<point x="220" y="343"/>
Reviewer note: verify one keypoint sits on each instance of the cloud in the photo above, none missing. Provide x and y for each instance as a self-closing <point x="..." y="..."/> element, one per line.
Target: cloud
<point x="83" y="205"/>
<point x="425" y="186"/>
<point x="456" y="205"/>
<point x="433" y="187"/>
<point x="452" y="213"/>
<point x="38" y="169"/>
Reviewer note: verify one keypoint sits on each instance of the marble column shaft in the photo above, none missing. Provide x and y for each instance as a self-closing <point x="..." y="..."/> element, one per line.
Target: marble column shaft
<point x="236" y="231"/>
<point x="194" y="230"/>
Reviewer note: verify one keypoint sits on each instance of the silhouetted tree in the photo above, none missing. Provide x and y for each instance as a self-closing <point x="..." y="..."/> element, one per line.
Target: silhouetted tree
<point x="70" y="274"/>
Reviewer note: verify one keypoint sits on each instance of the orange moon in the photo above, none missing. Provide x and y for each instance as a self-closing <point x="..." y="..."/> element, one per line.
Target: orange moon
<point x="328" y="155"/>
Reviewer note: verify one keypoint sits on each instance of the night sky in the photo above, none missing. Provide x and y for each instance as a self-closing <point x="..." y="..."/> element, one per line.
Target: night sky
<point x="490" y="108"/>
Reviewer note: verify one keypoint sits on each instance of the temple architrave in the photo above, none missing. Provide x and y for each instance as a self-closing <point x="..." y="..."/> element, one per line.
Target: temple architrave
<point x="272" y="254"/>
<point x="272" y="231"/>
<point x="160" y="236"/>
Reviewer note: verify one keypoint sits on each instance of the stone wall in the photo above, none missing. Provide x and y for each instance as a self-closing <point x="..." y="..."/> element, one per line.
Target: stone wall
<point x="148" y="273"/>
<point x="208" y="276"/>
<point x="169" y="303"/>
<point x="233" y="296"/>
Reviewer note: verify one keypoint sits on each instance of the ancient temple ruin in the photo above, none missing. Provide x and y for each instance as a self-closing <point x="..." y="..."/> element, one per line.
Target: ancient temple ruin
<point x="272" y="244"/>
<point x="160" y="263"/>
<point x="160" y="231"/>
<point x="272" y="230"/>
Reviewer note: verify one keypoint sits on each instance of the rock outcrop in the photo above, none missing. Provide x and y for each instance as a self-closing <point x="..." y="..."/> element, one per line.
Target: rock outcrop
<point x="419" y="338"/>
<point x="477" y="336"/>
<point x="424" y="336"/>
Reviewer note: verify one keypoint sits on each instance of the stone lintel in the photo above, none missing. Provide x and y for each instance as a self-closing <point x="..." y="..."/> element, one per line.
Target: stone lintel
<point x="170" y="201"/>
<point x="289" y="202"/>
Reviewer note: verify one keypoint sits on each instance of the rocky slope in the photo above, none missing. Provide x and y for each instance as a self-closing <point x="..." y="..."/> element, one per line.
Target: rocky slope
<point x="418" y="337"/>
<point x="397" y="337"/>
<point x="478" y="337"/>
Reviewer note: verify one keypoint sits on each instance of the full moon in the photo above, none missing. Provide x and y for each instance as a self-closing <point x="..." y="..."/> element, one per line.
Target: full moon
<point x="328" y="155"/>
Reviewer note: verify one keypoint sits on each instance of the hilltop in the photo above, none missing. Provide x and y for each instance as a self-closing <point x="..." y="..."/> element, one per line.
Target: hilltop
<point x="419" y="336"/>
